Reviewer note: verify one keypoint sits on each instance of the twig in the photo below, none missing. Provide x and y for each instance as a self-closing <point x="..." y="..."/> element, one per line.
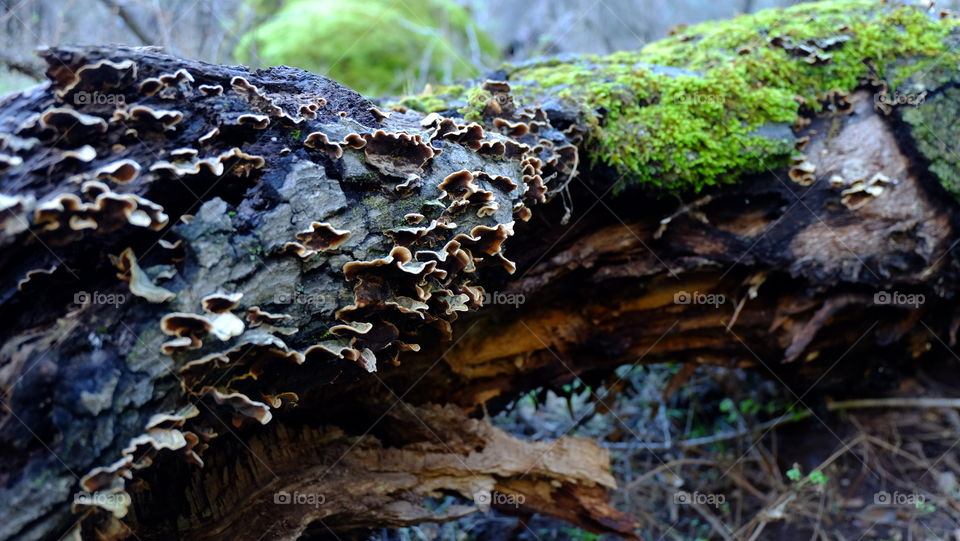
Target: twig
<point x="718" y="526"/>
<point x="760" y="527"/>
<point x="667" y="466"/>
<point x="129" y="20"/>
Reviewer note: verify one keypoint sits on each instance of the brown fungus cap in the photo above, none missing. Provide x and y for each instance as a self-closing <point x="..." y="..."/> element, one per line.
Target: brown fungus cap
<point x="86" y="153"/>
<point x="242" y="405"/>
<point x="397" y="154"/>
<point x="101" y="75"/>
<point x="150" y="86"/>
<point x="319" y="141"/>
<point x="140" y="284"/>
<point x="72" y="123"/>
<point x="458" y="186"/>
<point x="211" y="90"/>
<point x="185" y="324"/>
<point x="354" y="141"/>
<point x="322" y="236"/>
<point x="257" y="122"/>
<point x="257" y="317"/>
<point x="512" y="129"/>
<point x="379" y="115"/>
<point x="120" y="171"/>
<point x="148" y="116"/>
<point x="218" y="303"/>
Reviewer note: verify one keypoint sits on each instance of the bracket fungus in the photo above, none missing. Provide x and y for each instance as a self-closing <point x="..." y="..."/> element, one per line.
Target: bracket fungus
<point x="257" y="317"/>
<point x="177" y="77"/>
<point x="243" y="406"/>
<point x="148" y="116"/>
<point x="406" y="236"/>
<point x="379" y="115"/>
<point x="257" y="122"/>
<point x="323" y="236"/>
<point x="319" y="141"/>
<point x="72" y="124"/>
<point x="85" y="154"/>
<point x="218" y="303"/>
<point x="34" y="274"/>
<point x="319" y="237"/>
<point x="140" y="283"/>
<point x="150" y="86"/>
<point x="354" y="141"/>
<point x="803" y="172"/>
<point x="121" y="171"/>
<point x="100" y="75"/>
<point x="209" y="136"/>
<point x="513" y="129"/>
<point x="107" y="213"/>
<point x="861" y="191"/>
<point x="8" y="162"/>
<point x="397" y="154"/>
<point x="502" y="183"/>
<point x="188" y="328"/>
<point x="257" y="100"/>
<point x="211" y="90"/>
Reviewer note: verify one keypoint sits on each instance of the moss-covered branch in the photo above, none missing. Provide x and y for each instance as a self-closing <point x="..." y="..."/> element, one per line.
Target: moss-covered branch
<point x="715" y="101"/>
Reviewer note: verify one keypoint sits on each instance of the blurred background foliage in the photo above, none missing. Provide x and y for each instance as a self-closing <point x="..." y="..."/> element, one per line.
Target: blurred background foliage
<point x="379" y="47"/>
<point x="375" y="46"/>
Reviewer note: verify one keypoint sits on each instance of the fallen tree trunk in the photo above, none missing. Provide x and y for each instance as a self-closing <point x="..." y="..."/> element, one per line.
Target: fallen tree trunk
<point x="245" y="303"/>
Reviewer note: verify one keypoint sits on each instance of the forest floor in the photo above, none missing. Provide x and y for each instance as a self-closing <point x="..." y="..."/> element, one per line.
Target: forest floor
<point x="735" y="455"/>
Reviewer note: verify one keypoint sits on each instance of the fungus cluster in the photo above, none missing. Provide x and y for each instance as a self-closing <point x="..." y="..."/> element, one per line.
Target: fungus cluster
<point x="103" y="487"/>
<point x="189" y="329"/>
<point x="857" y="192"/>
<point x="320" y="237"/>
<point x="235" y="358"/>
<point x="166" y="85"/>
<point x="803" y="172"/>
<point x="65" y="217"/>
<point x="98" y="76"/>
<point x="397" y="154"/>
<point x="812" y="51"/>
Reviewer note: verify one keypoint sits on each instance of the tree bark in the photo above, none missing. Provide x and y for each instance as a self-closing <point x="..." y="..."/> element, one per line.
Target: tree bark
<point x="144" y="395"/>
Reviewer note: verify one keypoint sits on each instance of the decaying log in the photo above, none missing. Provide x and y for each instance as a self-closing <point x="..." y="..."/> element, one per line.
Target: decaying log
<point x="295" y="478"/>
<point x="224" y="288"/>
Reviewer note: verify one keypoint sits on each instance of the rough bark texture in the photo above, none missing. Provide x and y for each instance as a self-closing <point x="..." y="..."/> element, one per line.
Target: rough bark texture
<point x="144" y="394"/>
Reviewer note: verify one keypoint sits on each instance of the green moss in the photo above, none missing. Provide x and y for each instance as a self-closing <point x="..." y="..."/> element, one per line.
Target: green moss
<point x="476" y="101"/>
<point x="935" y="130"/>
<point x="707" y="118"/>
<point x="375" y="46"/>
<point x="434" y="99"/>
